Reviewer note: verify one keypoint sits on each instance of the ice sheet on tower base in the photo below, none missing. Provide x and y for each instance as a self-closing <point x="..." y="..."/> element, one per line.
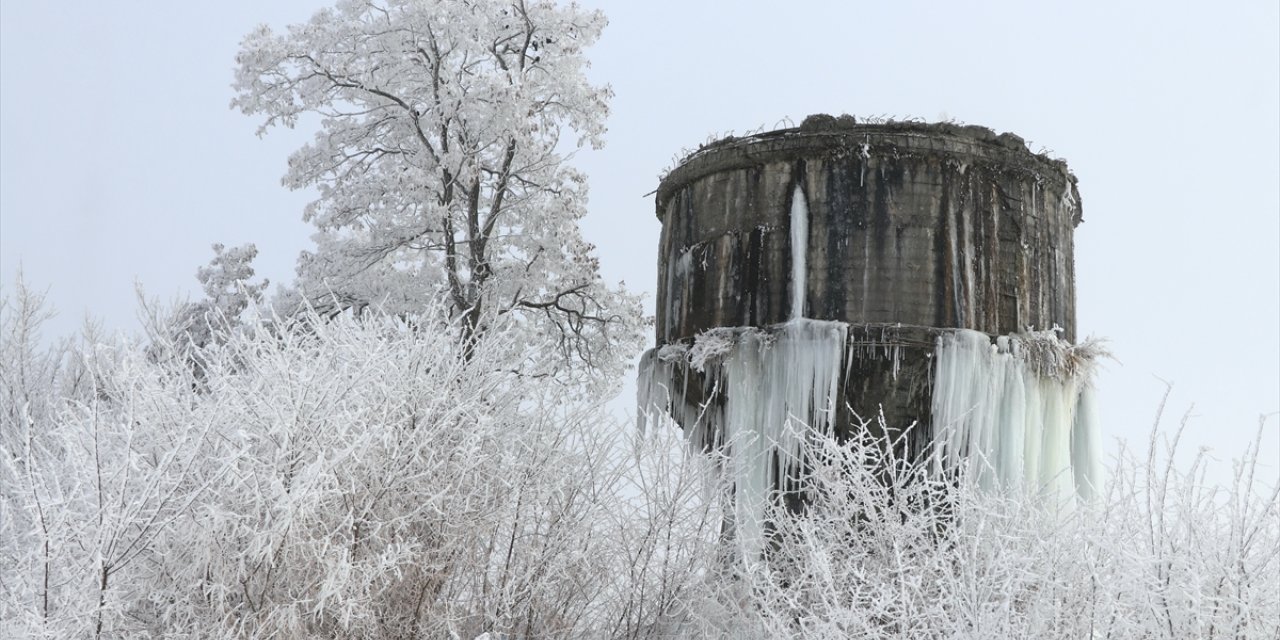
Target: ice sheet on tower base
<point x="1016" y="414"/>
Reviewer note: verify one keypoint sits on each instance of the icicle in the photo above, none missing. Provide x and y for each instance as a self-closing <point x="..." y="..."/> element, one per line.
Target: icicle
<point x="646" y="404"/>
<point x="954" y="257"/>
<point x="895" y="352"/>
<point x="655" y="378"/>
<point x="661" y="388"/>
<point x="1055" y="436"/>
<point x="1012" y="418"/>
<point x="1068" y="200"/>
<point x="1033" y="414"/>
<point x="799" y="251"/>
<point x="777" y="395"/>
<point x="1086" y="445"/>
<point x="1013" y="414"/>
<point x="678" y="279"/>
<point x="865" y="153"/>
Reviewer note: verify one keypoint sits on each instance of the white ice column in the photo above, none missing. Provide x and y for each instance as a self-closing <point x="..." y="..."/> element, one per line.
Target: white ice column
<point x="799" y="251"/>
<point x="1008" y="420"/>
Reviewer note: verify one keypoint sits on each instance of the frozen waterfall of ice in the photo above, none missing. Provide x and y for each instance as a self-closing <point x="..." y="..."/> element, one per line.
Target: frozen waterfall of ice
<point x="780" y="390"/>
<point x="1016" y="414"/>
<point x="799" y="251"/>
<point x="770" y="390"/>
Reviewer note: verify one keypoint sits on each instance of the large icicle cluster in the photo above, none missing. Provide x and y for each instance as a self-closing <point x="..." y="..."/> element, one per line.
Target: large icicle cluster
<point x="764" y="393"/>
<point x="1017" y="414"/>
<point x="777" y="395"/>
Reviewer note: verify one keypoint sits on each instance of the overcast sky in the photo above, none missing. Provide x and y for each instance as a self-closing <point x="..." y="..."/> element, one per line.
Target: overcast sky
<point x="120" y="161"/>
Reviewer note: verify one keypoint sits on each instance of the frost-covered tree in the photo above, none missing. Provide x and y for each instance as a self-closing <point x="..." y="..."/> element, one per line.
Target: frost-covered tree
<point x="440" y="161"/>
<point x="363" y="479"/>
<point x="226" y="280"/>
<point x="100" y="455"/>
<point x="228" y="293"/>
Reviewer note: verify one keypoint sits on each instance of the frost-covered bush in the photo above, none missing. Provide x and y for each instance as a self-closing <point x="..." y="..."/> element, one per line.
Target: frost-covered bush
<point x="883" y="549"/>
<point x="370" y="478"/>
<point x="349" y="478"/>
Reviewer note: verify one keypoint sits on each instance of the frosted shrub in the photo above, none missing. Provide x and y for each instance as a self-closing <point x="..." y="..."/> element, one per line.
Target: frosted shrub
<point x="882" y="549"/>
<point x="370" y="478"/>
<point x="346" y="478"/>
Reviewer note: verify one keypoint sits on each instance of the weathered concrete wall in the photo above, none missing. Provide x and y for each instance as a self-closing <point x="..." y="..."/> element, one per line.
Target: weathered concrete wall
<point x="913" y="229"/>
<point x="928" y="225"/>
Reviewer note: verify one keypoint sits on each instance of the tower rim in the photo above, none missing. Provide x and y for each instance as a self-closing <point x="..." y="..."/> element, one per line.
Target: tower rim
<point x="828" y="135"/>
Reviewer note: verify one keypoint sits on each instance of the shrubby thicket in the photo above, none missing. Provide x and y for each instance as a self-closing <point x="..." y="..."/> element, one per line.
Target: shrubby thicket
<point x="368" y="478"/>
<point x="342" y="477"/>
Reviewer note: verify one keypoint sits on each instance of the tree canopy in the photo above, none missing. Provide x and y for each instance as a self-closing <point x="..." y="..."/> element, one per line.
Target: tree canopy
<point x="440" y="161"/>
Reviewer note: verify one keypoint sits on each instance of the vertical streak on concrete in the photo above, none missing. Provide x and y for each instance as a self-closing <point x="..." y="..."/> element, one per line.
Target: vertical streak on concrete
<point x="954" y="255"/>
<point x="799" y="250"/>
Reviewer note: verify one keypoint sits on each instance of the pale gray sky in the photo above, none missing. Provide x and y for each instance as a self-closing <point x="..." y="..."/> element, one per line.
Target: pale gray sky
<point x="121" y="162"/>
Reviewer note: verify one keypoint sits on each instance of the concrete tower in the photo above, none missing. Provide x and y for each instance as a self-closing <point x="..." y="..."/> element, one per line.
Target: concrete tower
<point x="832" y="273"/>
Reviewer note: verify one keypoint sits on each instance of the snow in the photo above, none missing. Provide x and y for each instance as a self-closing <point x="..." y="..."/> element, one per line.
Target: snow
<point x="710" y="346"/>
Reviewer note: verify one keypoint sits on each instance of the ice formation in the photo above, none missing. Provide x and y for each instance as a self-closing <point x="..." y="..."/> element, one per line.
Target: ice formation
<point x="1017" y="414"/>
<point x="799" y="251"/>
<point x="765" y="393"/>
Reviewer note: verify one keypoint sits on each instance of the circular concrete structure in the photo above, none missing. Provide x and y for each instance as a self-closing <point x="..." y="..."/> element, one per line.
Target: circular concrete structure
<point x="904" y="232"/>
<point x="931" y="226"/>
